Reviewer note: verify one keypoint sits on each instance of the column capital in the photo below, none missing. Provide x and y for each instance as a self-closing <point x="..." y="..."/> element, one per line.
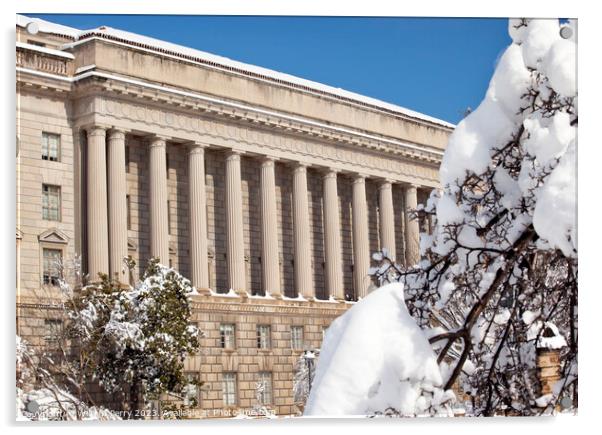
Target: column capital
<point x="95" y="130"/>
<point x="268" y="161"/>
<point x="330" y="173"/>
<point x="196" y="148"/>
<point x="234" y="154"/>
<point x="157" y="141"/>
<point x="193" y="145"/>
<point x="117" y="133"/>
<point x="235" y="151"/>
<point x="385" y="183"/>
<point x="411" y="185"/>
<point x="359" y="176"/>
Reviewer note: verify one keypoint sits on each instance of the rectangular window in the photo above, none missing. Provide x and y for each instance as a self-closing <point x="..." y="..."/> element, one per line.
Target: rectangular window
<point x="229" y="389"/>
<point x="53" y="259"/>
<point x="54" y="330"/>
<point x="128" y="205"/>
<point x="127" y="159"/>
<point x="296" y="337"/>
<point x="264" y="388"/>
<point x="263" y="337"/>
<point x="167" y="165"/>
<point x="227" y="333"/>
<point x="51" y="202"/>
<point x="50" y="146"/>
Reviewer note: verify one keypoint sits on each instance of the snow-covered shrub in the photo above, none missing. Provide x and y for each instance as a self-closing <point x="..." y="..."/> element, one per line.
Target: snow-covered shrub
<point x="500" y="268"/>
<point x="39" y="397"/>
<point x="375" y="360"/>
<point x="136" y="337"/>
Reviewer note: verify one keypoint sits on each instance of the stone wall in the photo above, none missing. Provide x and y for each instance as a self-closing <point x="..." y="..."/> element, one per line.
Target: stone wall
<point x="37" y="323"/>
<point x="35" y="115"/>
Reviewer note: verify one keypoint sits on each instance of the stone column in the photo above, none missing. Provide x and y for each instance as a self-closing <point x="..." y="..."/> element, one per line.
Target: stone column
<point x="96" y="188"/>
<point x="269" y="234"/>
<point x="197" y="208"/>
<point x="118" y="229"/>
<point x="361" y="246"/>
<point x="387" y="218"/>
<point x="158" y="201"/>
<point x="302" y="241"/>
<point x="412" y="233"/>
<point x="234" y="224"/>
<point x="332" y="237"/>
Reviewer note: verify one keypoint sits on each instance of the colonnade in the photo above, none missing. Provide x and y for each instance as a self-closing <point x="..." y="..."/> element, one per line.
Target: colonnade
<point x="107" y="218"/>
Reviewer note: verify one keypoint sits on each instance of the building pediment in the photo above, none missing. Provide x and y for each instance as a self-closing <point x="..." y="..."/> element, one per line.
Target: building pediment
<point x="53" y="235"/>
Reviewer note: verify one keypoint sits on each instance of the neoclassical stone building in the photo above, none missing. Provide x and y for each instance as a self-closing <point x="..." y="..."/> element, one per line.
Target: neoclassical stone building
<point x="268" y="191"/>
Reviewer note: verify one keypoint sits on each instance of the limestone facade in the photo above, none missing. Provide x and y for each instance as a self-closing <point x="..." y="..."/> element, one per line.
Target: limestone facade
<point x="241" y="180"/>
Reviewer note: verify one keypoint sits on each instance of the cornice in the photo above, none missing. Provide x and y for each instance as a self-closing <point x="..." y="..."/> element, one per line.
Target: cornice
<point x="208" y="106"/>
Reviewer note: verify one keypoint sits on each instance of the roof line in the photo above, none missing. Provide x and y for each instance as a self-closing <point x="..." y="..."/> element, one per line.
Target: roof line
<point x="79" y="37"/>
<point x="100" y="35"/>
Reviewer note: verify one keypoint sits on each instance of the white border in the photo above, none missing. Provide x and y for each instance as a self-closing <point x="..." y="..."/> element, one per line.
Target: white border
<point x="590" y="158"/>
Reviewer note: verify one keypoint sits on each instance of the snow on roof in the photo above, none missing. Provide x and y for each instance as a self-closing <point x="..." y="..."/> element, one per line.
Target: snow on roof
<point x="224" y="63"/>
<point x="48" y="27"/>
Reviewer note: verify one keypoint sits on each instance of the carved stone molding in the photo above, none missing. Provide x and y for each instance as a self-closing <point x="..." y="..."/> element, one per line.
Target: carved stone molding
<point x="350" y="154"/>
<point x="53" y="235"/>
<point x="313" y="309"/>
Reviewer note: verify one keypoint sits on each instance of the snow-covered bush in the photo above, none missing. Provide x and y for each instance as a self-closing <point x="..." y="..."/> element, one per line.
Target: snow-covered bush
<point x="375" y="360"/>
<point x="499" y="270"/>
<point x="39" y="397"/>
<point x="136" y="337"/>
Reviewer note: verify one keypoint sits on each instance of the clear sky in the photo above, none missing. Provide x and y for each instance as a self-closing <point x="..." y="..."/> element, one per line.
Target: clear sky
<point x="438" y="66"/>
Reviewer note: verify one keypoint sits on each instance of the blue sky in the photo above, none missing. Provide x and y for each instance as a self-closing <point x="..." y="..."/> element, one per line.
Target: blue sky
<point x="438" y="66"/>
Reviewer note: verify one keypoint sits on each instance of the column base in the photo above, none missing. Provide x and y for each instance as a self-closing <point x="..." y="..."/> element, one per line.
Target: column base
<point x="203" y="291"/>
<point x="242" y="293"/>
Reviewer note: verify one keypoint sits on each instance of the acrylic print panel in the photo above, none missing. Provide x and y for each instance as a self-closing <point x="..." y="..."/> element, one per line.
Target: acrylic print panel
<point x="306" y="231"/>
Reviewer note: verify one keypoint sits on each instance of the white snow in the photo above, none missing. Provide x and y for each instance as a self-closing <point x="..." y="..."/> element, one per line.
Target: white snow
<point x="555" y="215"/>
<point x="231" y="294"/>
<point x="45" y="50"/>
<point x="549" y="142"/>
<point x="547" y="335"/>
<point x="469" y="147"/>
<point x="373" y="357"/>
<point x="223" y="62"/>
<point x="544" y="400"/>
<point x="48" y="27"/>
<point x="560" y="65"/>
<point x="66" y="407"/>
